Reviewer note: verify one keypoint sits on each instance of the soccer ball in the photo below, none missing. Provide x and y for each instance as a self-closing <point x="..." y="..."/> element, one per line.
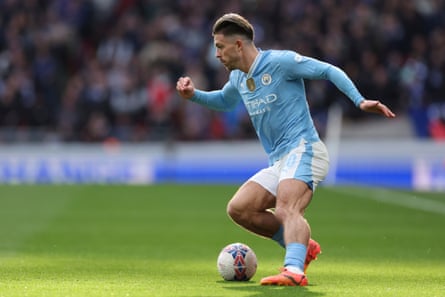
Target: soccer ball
<point x="237" y="262"/>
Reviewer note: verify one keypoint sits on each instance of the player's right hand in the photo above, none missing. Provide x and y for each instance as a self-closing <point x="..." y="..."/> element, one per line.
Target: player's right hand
<point x="185" y="87"/>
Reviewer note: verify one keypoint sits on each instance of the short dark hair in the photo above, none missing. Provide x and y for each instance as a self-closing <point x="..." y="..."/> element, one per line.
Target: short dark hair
<point x="232" y="24"/>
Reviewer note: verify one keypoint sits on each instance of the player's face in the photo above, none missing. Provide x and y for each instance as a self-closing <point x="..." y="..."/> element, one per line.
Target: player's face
<point x="227" y="50"/>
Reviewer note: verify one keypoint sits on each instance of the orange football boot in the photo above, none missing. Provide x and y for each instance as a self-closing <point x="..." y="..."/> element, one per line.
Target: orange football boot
<point x="285" y="278"/>
<point x="313" y="249"/>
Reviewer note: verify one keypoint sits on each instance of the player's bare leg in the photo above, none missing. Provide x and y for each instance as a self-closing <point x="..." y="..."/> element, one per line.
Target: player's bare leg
<point x="292" y="199"/>
<point x="249" y="208"/>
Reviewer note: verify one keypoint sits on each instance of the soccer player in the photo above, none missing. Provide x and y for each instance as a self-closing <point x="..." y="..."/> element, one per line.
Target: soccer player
<point x="271" y="85"/>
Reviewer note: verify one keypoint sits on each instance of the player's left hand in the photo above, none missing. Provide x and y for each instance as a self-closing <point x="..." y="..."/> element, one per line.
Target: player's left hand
<point x="376" y="107"/>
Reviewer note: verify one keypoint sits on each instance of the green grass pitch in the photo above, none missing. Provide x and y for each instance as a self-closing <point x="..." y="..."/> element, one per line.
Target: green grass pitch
<point x="163" y="240"/>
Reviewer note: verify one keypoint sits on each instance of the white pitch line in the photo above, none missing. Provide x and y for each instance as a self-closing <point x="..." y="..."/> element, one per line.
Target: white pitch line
<point x="395" y="198"/>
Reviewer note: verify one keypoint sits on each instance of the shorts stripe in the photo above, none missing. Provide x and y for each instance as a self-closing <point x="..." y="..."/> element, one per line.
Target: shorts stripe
<point x="304" y="167"/>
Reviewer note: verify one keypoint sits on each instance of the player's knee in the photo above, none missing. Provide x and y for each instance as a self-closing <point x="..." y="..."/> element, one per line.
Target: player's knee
<point x="233" y="210"/>
<point x="236" y="212"/>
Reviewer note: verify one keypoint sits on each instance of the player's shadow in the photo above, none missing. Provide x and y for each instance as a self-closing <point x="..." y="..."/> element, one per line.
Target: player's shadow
<point x="267" y="291"/>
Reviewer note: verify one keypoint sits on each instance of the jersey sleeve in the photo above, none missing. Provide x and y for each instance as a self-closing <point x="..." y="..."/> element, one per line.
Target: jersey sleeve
<point x="225" y="99"/>
<point x="298" y="66"/>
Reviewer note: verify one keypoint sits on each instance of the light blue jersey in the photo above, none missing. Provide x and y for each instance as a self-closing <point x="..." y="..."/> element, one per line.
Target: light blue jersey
<point x="276" y="99"/>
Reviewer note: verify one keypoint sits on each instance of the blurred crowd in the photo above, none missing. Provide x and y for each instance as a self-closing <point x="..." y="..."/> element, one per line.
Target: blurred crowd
<point x="106" y="70"/>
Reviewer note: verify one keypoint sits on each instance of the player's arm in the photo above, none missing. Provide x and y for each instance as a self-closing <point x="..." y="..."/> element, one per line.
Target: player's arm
<point x="344" y="83"/>
<point x="222" y="100"/>
<point x="310" y="68"/>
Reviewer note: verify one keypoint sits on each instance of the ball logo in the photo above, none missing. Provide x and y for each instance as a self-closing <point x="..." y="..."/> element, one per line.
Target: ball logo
<point x="266" y="79"/>
<point x="239" y="253"/>
<point x="237" y="262"/>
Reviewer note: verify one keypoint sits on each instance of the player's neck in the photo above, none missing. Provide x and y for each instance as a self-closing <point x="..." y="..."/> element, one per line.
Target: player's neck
<point x="250" y="55"/>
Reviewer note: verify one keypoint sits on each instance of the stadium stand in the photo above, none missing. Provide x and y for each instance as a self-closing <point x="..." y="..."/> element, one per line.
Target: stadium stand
<point x="95" y="71"/>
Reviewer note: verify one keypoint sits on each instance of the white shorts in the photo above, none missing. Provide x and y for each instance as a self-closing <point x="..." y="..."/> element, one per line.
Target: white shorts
<point x="308" y="162"/>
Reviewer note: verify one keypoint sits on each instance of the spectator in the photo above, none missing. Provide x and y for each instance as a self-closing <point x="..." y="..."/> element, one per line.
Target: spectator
<point x="78" y="66"/>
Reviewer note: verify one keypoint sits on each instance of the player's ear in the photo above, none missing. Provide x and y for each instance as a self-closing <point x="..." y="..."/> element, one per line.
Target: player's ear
<point x="239" y="44"/>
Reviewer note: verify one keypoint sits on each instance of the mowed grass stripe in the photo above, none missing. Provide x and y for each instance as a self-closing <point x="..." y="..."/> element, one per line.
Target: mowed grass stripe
<point x="27" y="210"/>
<point x="163" y="241"/>
<point x="417" y="202"/>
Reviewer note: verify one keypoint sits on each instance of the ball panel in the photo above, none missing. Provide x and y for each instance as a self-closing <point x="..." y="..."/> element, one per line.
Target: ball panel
<point x="225" y="266"/>
<point x="251" y="269"/>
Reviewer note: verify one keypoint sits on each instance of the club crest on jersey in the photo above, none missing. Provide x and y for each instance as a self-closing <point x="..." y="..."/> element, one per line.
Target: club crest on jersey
<point x="266" y="79"/>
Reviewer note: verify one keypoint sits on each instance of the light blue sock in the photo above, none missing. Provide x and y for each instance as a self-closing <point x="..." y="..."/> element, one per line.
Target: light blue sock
<point x="295" y="255"/>
<point x="279" y="237"/>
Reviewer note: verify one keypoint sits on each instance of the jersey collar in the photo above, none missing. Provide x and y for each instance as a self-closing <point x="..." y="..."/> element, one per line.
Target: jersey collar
<point x="255" y="63"/>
